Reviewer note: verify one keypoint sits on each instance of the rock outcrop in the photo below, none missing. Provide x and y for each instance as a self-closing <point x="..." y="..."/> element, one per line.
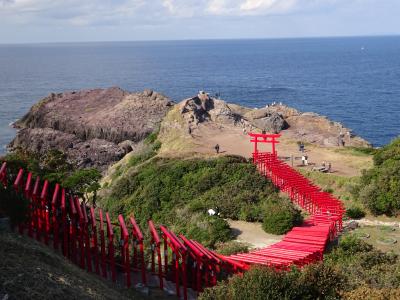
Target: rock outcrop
<point x="204" y="108"/>
<point x="304" y="127"/>
<point x="93" y="127"/>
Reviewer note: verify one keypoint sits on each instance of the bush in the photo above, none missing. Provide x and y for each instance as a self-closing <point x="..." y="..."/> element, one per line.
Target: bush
<point x="379" y="188"/>
<point x="13" y="205"/>
<point x="313" y="282"/>
<point x="280" y="217"/>
<point x="365" y="292"/>
<point x="84" y="182"/>
<point x="52" y="166"/>
<point x="232" y="247"/>
<point x="179" y="192"/>
<point x="355" y="212"/>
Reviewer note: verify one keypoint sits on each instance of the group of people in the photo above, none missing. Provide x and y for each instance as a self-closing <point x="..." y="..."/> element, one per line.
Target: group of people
<point x="273" y="104"/>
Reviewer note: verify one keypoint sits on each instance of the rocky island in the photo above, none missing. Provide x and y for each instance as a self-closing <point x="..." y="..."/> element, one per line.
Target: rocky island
<point x="98" y="127"/>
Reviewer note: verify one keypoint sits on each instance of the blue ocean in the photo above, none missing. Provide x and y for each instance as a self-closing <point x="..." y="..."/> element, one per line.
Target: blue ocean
<point x="351" y="80"/>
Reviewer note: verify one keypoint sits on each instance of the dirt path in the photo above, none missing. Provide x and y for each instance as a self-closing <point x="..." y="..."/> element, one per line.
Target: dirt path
<point x="253" y="234"/>
<point x="232" y="140"/>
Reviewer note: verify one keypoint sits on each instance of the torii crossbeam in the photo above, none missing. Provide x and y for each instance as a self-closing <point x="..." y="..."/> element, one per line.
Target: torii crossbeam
<point x="264" y="138"/>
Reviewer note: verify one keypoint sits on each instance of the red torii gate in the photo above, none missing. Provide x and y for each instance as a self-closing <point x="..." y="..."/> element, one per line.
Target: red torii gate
<point x="264" y="138"/>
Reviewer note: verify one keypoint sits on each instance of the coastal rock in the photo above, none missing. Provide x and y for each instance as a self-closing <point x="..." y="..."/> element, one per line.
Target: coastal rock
<point x="93" y="127"/>
<point x="204" y="108"/>
<point x="317" y="129"/>
<point x="273" y="122"/>
<point x="306" y="127"/>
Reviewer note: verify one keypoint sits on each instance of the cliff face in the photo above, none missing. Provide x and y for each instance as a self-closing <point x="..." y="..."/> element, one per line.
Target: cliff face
<point x="93" y="127"/>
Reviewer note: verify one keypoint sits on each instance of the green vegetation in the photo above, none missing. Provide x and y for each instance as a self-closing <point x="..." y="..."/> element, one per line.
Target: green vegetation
<point x="355" y="212"/>
<point x="353" y="270"/>
<point x="56" y="169"/>
<point x="313" y="282"/>
<point x="179" y="192"/>
<point x="363" y="266"/>
<point x="340" y="186"/>
<point x="379" y="189"/>
<point x="231" y="247"/>
<point x="12" y="204"/>
<point x="84" y="182"/>
<point x="357" y="151"/>
<point x="279" y="218"/>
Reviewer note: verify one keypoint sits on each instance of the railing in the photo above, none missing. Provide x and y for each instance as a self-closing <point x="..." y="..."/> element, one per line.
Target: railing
<point x="89" y="238"/>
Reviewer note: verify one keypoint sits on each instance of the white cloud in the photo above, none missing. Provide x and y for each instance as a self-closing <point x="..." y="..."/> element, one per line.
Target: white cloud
<point x="108" y="12"/>
<point x="263" y="7"/>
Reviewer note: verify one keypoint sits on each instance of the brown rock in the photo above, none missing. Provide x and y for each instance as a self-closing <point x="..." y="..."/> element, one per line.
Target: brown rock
<point x="94" y="127"/>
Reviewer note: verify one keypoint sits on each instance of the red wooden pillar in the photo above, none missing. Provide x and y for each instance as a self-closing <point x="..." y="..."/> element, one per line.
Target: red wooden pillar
<point x="111" y="250"/>
<point x="28" y="195"/>
<point x="184" y="275"/>
<point x="175" y="260"/>
<point x="103" y="245"/>
<point x="18" y="185"/>
<point x="156" y="248"/>
<point x="165" y="255"/>
<point x="36" y="208"/>
<point x="125" y="249"/>
<point x="55" y="220"/>
<point x="80" y="233"/>
<point x="86" y="238"/>
<point x="139" y="237"/>
<point x="94" y="240"/>
<point x="45" y="212"/>
<point x="64" y="223"/>
<point x="73" y="228"/>
<point x="3" y="173"/>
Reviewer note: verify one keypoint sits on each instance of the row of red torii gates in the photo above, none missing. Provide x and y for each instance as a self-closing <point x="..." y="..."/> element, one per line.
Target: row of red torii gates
<point x="117" y="251"/>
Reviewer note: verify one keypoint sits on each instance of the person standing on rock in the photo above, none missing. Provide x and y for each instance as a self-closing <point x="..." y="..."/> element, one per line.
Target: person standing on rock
<point x="216" y="148"/>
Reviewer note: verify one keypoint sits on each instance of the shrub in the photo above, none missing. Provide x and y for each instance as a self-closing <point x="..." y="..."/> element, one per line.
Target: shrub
<point x="232" y="247"/>
<point x="313" y="282"/>
<point x="179" y="192"/>
<point x="365" y="292"/>
<point x="13" y="205"/>
<point x="355" y="212"/>
<point x="280" y="217"/>
<point x="379" y="188"/>
<point x="84" y="182"/>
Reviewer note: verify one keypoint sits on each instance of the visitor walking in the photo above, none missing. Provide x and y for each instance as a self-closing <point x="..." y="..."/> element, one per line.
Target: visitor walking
<point x="217" y="148"/>
<point x="301" y="147"/>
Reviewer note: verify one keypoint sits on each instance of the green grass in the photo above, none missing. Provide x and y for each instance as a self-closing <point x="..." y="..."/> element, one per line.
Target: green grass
<point x="357" y="151"/>
<point x="381" y="232"/>
<point x="340" y="186"/>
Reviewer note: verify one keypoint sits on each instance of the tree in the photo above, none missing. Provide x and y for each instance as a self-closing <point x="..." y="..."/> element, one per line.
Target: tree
<point x="83" y="183"/>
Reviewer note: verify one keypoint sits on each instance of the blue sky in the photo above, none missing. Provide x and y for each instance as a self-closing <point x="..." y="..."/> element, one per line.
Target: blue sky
<point x="27" y="21"/>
